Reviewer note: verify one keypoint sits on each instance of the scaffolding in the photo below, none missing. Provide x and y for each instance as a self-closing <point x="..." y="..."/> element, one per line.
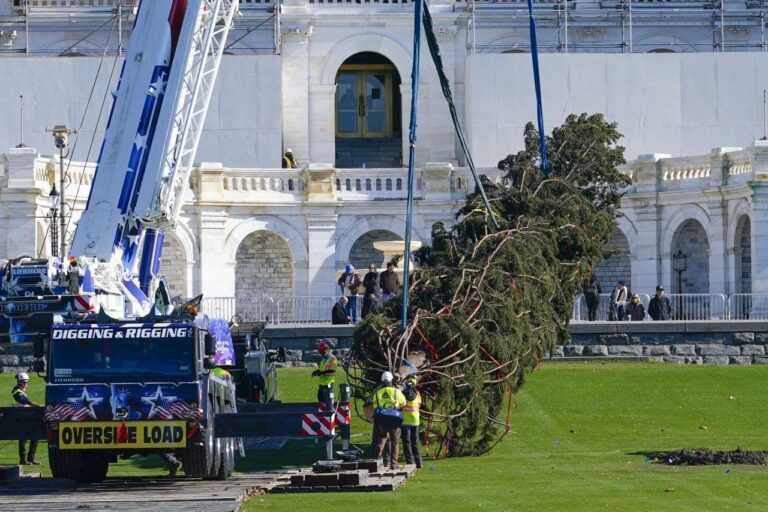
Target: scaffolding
<point x="613" y="25"/>
<point x="89" y="27"/>
<point x="609" y="26"/>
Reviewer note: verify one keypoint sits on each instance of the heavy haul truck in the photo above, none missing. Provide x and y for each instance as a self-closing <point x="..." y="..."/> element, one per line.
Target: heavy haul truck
<point x="130" y="371"/>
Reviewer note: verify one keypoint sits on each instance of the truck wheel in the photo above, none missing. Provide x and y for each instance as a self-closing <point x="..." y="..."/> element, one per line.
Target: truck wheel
<point x="227" y="458"/>
<point x="77" y="465"/>
<point x="198" y="461"/>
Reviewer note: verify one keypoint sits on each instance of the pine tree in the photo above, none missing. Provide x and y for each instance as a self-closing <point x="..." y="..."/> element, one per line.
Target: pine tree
<point x="487" y="304"/>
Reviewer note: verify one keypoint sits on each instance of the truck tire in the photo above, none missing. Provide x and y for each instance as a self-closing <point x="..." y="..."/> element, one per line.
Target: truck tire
<point x="78" y="465"/>
<point x="195" y="461"/>
<point x="198" y="459"/>
<point x="227" y="460"/>
<point x="216" y="455"/>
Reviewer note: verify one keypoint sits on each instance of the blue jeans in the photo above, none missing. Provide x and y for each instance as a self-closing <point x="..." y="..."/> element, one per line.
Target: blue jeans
<point x="352" y="307"/>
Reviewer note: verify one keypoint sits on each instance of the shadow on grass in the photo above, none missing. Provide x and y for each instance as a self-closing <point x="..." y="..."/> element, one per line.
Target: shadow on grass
<point x="295" y="453"/>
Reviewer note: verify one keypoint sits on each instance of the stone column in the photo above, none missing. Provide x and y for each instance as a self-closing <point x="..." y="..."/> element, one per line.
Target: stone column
<point x="717" y="209"/>
<point x="217" y="270"/>
<point x="321" y="230"/>
<point x="295" y="83"/>
<point x="442" y="146"/>
<point x="647" y="262"/>
<point x="19" y="203"/>
<point x="322" y="125"/>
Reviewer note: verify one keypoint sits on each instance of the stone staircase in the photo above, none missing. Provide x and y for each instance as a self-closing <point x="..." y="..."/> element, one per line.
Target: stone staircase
<point x="372" y="153"/>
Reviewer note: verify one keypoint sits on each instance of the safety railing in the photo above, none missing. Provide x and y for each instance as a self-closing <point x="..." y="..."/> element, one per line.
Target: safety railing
<point x="748" y="306"/>
<point x="277" y="310"/>
<point x="687" y="306"/>
<point x="603" y="312"/>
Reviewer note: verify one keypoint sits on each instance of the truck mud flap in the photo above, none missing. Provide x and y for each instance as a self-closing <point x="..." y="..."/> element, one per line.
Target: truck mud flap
<point x="22" y="423"/>
<point x="264" y="420"/>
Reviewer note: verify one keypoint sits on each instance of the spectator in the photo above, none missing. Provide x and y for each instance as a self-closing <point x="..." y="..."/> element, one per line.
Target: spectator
<point x="371" y="285"/>
<point x="288" y="161"/>
<point x="636" y="310"/>
<point x="350" y="284"/>
<point x="389" y="282"/>
<point x="592" y="293"/>
<point x="339" y="315"/>
<point x="618" y="302"/>
<point x="660" y="308"/>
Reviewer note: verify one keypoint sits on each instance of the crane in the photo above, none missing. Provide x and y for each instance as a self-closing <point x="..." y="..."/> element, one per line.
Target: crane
<point x="141" y="177"/>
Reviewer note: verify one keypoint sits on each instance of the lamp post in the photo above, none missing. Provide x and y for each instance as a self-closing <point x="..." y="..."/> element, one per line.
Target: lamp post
<point x="61" y="139"/>
<point x="680" y="265"/>
<point x="53" y="204"/>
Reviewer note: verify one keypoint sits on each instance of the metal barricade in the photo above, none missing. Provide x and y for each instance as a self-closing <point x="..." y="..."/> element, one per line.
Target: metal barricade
<point x="698" y="306"/>
<point x="748" y="306"/>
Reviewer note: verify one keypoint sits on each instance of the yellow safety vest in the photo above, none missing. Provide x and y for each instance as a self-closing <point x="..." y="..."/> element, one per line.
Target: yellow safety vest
<point x="388" y="396"/>
<point x="329" y="362"/>
<point x="411" y="411"/>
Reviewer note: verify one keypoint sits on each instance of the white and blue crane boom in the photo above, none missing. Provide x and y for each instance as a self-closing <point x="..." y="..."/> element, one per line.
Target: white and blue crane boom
<point x="141" y="177"/>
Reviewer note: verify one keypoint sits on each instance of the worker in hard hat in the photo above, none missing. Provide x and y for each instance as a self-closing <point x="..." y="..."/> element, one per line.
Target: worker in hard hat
<point x="288" y="161"/>
<point x="326" y="370"/>
<point x="388" y="402"/>
<point x="411" y="421"/>
<point x="19" y="394"/>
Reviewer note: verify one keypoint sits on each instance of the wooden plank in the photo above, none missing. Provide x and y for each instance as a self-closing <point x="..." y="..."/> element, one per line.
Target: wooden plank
<point x="134" y="494"/>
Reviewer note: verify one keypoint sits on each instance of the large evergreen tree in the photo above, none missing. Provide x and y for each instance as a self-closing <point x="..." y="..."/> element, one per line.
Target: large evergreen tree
<point x="487" y="304"/>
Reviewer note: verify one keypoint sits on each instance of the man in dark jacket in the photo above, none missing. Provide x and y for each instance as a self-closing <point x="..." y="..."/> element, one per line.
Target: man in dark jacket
<point x="371" y="285"/>
<point x="592" y="291"/>
<point x="389" y="282"/>
<point x="339" y="312"/>
<point x="660" y="308"/>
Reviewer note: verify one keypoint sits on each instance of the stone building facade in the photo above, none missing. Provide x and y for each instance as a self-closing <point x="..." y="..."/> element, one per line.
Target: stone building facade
<point x="679" y="78"/>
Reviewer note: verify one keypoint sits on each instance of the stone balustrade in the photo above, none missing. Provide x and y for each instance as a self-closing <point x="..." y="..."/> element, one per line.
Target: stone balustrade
<point x="721" y="167"/>
<point x="437" y="181"/>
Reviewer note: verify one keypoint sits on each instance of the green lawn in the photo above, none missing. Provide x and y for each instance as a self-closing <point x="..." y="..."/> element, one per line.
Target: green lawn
<point x="580" y="435"/>
<point x="579" y="441"/>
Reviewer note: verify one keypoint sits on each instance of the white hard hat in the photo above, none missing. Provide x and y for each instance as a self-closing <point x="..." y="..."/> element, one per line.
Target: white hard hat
<point x="289" y="150"/>
<point x="387" y="377"/>
<point x="22" y="376"/>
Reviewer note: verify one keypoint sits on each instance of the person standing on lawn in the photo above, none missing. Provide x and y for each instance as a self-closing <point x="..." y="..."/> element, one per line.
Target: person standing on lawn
<point x="326" y="370"/>
<point x="388" y="402"/>
<point x="21" y="399"/>
<point x="411" y="421"/>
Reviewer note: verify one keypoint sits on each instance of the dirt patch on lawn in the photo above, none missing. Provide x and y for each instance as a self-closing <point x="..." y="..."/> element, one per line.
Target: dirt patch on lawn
<point x="705" y="457"/>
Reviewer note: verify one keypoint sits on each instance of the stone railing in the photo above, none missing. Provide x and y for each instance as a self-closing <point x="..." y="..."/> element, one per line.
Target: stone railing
<point x="685" y="169"/>
<point x="283" y="181"/>
<point x="721" y="167"/>
<point x="322" y="182"/>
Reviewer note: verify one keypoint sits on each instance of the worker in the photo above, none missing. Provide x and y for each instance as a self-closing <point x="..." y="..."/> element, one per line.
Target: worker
<point x="411" y="421"/>
<point x="288" y="161"/>
<point x="388" y="402"/>
<point x="326" y="370"/>
<point x="19" y="394"/>
<point x="221" y="373"/>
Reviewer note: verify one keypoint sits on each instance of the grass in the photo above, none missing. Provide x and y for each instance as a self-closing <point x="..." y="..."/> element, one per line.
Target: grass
<point x="580" y="437"/>
<point x="579" y="440"/>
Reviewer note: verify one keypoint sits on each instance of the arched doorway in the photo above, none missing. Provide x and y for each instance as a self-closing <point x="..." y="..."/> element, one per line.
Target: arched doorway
<point x="264" y="270"/>
<point x="617" y="267"/>
<point x="173" y="265"/>
<point x="364" y="250"/>
<point x="691" y="238"/>
<point x="368" y="113"/>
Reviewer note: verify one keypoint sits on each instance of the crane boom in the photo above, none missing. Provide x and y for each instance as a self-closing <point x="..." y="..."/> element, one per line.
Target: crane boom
<point x="170" y="67"/>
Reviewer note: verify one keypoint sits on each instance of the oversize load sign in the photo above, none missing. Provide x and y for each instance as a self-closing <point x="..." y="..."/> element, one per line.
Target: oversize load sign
<point x="132" y="434"/>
